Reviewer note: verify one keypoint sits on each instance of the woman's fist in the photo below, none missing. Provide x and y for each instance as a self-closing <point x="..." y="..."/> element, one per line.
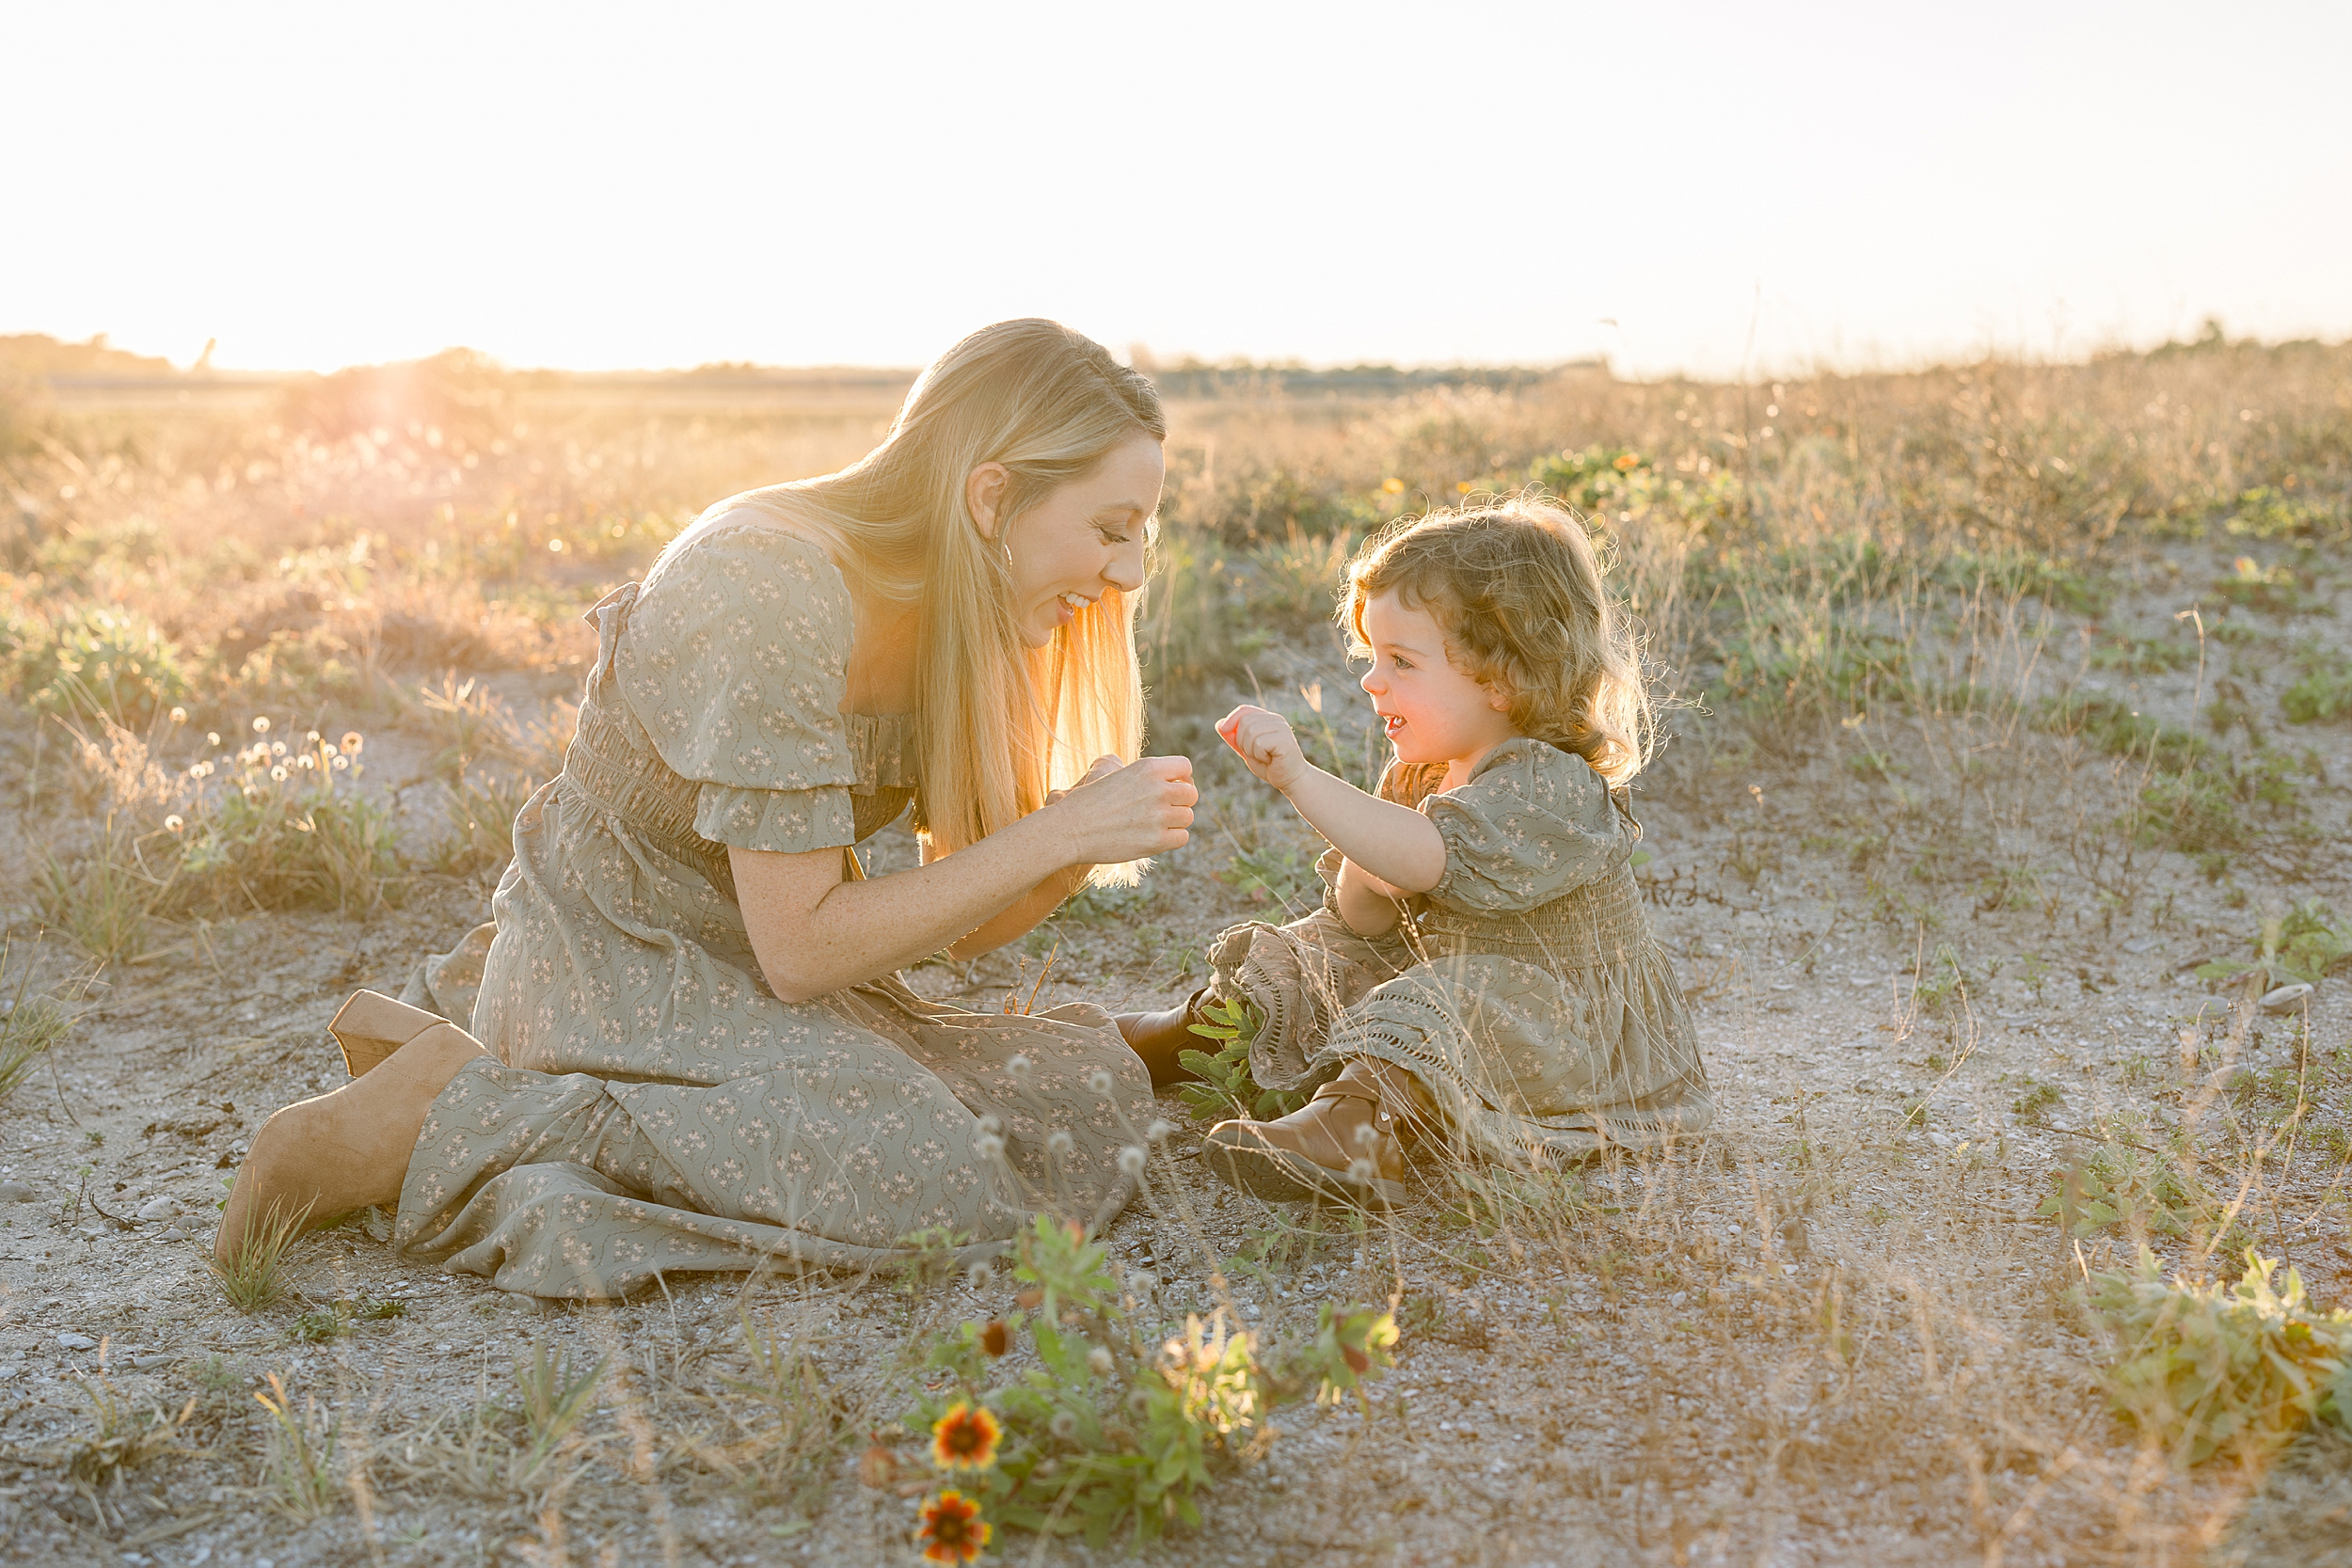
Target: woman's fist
<point x="1118" y="813"/>
<point x="1265" y="743"/>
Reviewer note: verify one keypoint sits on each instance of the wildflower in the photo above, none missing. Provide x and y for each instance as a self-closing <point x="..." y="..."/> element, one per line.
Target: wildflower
<point x="1059" y="1143"/>
<point x="1065" y="1425"/>
<point x="1462" y="486"/>
<point x="996" y="1338"/>
<point x="1392" y="486"/>
<point x="1626" y="462"/>
<point x="174" y="823"/>
<point x="953" y="1530"/>
<point x="1131" y="1160"/>
<point x="278" y="774"/>
<point x="341" y="763"/>
<point x="1099" y="1081"/>
<point x="260" y="725"/>
<point x="179" y="716"/>
<point x="352" y="741"/>
<point x="965" y="1437"/>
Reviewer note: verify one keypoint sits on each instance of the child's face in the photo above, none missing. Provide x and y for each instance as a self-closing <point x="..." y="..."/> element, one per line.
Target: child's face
<point x="1434" y="712"/>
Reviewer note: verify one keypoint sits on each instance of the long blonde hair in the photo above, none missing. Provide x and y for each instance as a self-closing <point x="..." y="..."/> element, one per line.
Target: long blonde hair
<point x="1519" y="591"/>
<point x="1002" y="723"/>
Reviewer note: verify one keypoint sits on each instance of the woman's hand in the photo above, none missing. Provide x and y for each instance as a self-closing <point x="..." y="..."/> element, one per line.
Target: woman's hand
<point x="1127" y="813"/>
<point x="1266" y="745"/>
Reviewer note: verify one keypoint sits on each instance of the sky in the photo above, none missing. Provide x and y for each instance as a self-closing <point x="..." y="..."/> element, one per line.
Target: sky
<point x="1707" y="188"/>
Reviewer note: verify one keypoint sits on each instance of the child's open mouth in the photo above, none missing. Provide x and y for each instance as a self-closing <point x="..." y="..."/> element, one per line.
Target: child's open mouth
<point x="1391" y="722"/>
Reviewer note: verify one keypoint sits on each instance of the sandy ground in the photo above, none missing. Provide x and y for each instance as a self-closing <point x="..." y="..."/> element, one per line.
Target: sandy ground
<point x="1833" y="1331"/>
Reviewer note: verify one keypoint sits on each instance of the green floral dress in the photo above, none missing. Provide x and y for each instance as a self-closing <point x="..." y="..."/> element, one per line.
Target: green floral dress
<point x="1524" y="991"/>
<point x="649" y="1104"/>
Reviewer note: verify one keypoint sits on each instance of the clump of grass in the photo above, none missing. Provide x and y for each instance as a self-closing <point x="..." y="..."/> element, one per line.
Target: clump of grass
<point x="31" y="1027"/>
<point x="784" y="1431"/>
<point x="121" y="1437"/>
<point x="300" y="1468"/>
<point x="2324" y="692"/>
<point x="253" y="1277"/>
<point x="2209" y="1370"/>
<point x="99" y="661"/>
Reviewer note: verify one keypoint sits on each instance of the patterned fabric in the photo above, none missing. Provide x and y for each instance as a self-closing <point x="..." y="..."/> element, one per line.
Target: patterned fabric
<point x="1524" y="991"/>
<point x="649" y="1104"/>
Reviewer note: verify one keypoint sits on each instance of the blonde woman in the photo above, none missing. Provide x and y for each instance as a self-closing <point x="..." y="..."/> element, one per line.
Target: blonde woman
<point x="689" y="1047"/>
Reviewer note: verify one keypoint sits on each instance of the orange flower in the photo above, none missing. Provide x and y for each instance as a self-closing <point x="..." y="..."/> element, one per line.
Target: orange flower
<point x="953" y="1530"/>
<point x="996" y="1338"/>
<point x="964" y="1438"/>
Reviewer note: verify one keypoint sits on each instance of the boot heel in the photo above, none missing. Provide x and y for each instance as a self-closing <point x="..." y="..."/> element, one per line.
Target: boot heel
<point x="371" y="1025"/>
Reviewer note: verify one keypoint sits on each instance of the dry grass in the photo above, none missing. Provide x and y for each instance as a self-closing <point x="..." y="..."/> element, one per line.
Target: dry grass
<point x="1953" y="798"/>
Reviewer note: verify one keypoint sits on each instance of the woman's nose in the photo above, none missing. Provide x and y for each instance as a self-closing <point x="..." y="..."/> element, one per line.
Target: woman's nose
<point x="1125" y="569"/>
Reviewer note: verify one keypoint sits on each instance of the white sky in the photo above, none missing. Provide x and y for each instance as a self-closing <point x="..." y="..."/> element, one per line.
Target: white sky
<point x="600" y="186"/>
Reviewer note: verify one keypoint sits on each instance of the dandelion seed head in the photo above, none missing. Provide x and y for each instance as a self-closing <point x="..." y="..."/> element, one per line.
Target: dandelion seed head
<point x="1099" y="1081"/>
<point x="1367" y="1135"/>
<point x="174" y="823"/>
<point x="1132" y="1159"/>
<point x="988" y="1145"/>
<point x="341" y="763"/>
<point x="278" y="774"/>
<point x="1060" y="1143"/>
<point x="981" y="1275"/>
<point x="1065" y="1425"/>
<point x="990" y="1124"/>
<point x="212" y="738"/>
<point x="1360" y="1171"/>
<point x="260" y="724"/>
<point x="351" y="743"/>
<point x="1160" y="1130"/>
<point x="1100" y="1359"/>
<point x="1018" y="1066"/>
<point x="179" y="716"/>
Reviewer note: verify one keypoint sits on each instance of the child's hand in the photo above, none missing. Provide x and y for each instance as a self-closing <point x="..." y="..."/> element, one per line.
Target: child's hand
<point x="1265" y="745"/>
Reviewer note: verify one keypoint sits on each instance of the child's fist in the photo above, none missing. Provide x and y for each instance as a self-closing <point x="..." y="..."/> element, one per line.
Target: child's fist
<point x="1265" y="745"/>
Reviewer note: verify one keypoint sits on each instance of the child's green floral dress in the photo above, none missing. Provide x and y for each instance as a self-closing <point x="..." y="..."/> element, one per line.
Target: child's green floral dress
<point x="1524" y="991"/>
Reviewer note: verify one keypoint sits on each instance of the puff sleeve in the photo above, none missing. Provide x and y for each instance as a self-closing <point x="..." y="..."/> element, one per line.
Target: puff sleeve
<point x="735" y="663"/>
<point x="1533" y="822"/>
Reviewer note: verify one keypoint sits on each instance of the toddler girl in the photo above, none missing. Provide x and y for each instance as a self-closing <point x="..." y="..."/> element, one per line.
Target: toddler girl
<point x="1481" y="966"/>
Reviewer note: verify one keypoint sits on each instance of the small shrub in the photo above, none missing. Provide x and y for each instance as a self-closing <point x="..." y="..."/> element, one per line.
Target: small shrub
<point x="99" y="661"/>
<point x="2034" y="1106"/>
<point x="1226" y="1088"/>
<point x="2305" y="944"/>
<point x="2324" y="692"/>
<point x="2220" y="1370"/>
<point x="1106" y="1434"/>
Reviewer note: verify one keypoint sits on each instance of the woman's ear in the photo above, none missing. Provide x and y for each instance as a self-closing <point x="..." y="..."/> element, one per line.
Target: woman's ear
<point x="984" y="496"/>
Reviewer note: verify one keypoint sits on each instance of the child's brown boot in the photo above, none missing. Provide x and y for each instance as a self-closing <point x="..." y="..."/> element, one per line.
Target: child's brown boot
<point x="1348" y="1142"/>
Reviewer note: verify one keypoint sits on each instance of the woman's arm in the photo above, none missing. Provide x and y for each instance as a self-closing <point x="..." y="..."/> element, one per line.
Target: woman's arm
<point x="1021" y="917"/>
<point x="814" y="933"/>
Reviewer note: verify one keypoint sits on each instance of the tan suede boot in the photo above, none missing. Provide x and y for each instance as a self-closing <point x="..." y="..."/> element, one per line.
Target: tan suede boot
<point x="323" y="1157"/>
<point x="1348" y="1142"/>
<point x="371" y="1025"/>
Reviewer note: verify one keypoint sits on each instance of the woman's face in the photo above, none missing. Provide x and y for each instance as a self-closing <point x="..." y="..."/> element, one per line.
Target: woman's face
<point x="1083" y="537"/>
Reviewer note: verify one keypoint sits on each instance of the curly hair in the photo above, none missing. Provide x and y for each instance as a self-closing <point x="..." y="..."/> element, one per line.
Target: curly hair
<point x="1517" y="587"/>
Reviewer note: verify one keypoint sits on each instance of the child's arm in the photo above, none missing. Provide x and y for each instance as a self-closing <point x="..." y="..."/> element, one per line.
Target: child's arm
<point x="1396" y="845"/>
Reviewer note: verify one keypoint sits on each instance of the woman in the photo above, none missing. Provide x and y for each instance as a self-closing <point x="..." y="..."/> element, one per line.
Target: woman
<point x="691" y="1049"/>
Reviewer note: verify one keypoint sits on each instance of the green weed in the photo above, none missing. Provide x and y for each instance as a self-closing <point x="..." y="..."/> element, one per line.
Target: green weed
<point x="2212" y="1369"/>
<point x="1226" y="1088"/>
